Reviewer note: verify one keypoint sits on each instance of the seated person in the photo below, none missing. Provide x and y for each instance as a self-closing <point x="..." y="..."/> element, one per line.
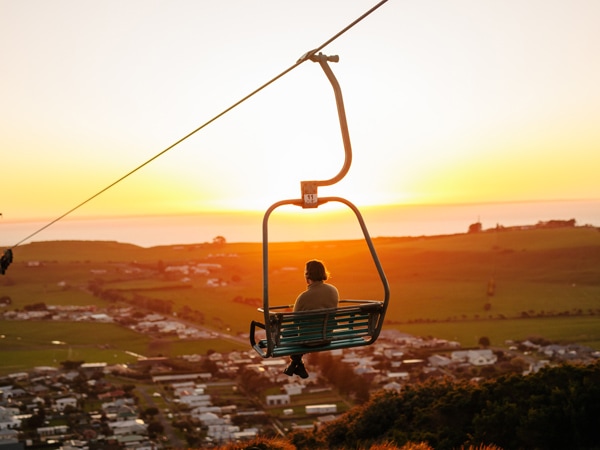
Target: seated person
<point x="318" y="295"/>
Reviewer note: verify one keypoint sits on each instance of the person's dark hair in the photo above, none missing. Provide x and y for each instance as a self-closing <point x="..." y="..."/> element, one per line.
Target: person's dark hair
<point x="315" y="270"/>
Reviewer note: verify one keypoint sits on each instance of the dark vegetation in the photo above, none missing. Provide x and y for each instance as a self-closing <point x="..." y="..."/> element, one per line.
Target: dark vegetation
<point x="556" y="408"/>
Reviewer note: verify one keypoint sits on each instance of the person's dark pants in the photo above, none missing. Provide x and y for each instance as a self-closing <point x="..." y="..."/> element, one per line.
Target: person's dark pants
<point x="296" y="367"/>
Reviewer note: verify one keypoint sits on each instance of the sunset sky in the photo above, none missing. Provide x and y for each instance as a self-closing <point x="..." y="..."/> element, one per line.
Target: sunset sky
<point x="447" y="102"/>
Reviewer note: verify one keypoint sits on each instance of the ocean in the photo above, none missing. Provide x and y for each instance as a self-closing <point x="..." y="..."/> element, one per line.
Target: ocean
<point x="300" y="225"/>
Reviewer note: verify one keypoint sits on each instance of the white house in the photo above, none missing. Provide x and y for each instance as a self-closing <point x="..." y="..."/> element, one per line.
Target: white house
<point x="211" y="419"/>
<point x="8" y="436"/>
<point x="321" y="409"/>
<point x="280" y="399"/>
<point x="224" y="432"/>
<point x="398" y="375"/>
<point x="196" y="400"/>
<point x="57" y="430"/>
<point x="293" y="388"/>
<point x="197" y="412"/>
<point x="439" y="360"/>
<point x="132" y="426"/>
<point x="62" y="403"/>
<point x="482" y="357"/>
<point x="8" y="418"/>
<point x="393" y="386"/>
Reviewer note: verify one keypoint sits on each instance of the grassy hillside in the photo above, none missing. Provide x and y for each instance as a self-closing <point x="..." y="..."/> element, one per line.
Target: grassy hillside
<point x="546" y="281"/>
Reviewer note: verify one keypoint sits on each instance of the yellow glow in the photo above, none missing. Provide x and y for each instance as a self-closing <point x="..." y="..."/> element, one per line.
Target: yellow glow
<point x="475" y="103"/>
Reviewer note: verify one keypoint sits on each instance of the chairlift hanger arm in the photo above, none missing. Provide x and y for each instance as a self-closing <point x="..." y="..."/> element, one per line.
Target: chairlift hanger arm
<point x="323" y="62"/>
<point x="310" y="188"/>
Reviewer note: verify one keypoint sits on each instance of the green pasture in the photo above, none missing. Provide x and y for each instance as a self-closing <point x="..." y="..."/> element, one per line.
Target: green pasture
<point x="43" y="343"/>
<point x="450" y="300"/>
<point x="179" y="347"/>
<point x="439" y="286"/>
<point x="41" y="334"/>
<point x="580" y="330"/>
<point x="26" y="344"/>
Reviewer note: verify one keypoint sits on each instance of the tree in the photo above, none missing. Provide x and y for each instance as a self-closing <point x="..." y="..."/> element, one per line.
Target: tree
<point x="219" y="240"/>
<point x="150" y="412"/>
<point x="484" y="341"/>
<point x="155" y="429"/>
<point x="37" y="419"/>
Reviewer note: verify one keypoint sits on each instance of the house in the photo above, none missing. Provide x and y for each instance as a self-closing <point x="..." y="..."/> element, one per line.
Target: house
<point x="183" y="385"/>
<point x="392" y="386"/>
<point x="276" y="364"/>
<point x="57" y="430"/>
<point x="210" y="419"/>
<point x="8" y="436"/>
<point x="92" y="368"/>
<point x="62" y="403"/>
<point x="281" y="399"/>
<point x="196" y="400"/>
<point x="293" y="388"/>
<point x="438" y="360"/>
<point x="398" y="375"/>
<point x="9" y="419"/>
<point x="222" y="432"/>
<point x="482" y="357"/>
<point x="8" y="392"/>
<point x="101" y="317"/>
<point x="19" y="376"/>
<point x="321" y="409"/>
<point x="246" y="434"/>
<point x="116" y="405"/>
<point x="133" y="441"/>
<point x="197" y="412"/>
<point x="125" y="412"/>
<point x="133" y="426"/>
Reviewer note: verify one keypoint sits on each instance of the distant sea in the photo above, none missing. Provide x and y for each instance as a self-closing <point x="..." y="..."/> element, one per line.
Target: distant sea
<point x="392" y="221"/>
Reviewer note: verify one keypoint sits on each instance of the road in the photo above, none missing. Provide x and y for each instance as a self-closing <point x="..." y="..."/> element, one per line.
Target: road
<point x="173" y="440"/>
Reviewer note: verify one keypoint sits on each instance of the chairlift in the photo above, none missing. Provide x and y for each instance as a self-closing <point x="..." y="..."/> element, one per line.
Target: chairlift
<point x="354" y="323"/>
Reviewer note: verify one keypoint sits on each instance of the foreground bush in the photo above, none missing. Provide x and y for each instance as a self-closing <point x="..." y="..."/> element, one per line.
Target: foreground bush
<point x="278" y="444"/>
<point x="556" y="408"/>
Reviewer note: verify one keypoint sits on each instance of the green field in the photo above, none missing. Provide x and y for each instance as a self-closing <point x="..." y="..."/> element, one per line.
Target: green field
<point x="547" y="284"/>
<point x="581" y="330"/>
<point x="44" y="343"/>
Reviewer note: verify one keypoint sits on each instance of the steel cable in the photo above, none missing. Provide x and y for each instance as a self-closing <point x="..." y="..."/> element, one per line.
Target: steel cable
<point x="304" y="58"/>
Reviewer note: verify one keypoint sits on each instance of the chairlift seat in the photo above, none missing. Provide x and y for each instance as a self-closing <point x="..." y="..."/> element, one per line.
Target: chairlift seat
<point x="289" y="333"/>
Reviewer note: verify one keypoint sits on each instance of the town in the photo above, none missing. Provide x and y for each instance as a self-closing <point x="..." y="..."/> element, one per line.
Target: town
<point x="207" y="400"/>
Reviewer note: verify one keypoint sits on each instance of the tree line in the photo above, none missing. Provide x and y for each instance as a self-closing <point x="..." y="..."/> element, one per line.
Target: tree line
<point x="555" y="408"/>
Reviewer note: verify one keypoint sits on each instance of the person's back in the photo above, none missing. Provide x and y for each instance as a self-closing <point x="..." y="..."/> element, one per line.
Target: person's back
<point x="318" y="295"/>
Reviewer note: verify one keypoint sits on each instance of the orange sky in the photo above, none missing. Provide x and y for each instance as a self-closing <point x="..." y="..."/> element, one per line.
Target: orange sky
<point x="447" y="102"/>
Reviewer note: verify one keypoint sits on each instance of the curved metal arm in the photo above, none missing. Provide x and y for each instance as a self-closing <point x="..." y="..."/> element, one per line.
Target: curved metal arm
<point x="309" y="189"/>
<point x="323" y="60"/>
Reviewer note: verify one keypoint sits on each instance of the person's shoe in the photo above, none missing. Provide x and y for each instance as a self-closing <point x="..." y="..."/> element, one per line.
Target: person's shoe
<point x="300" y="370"/>
<point x="291" y="369"/>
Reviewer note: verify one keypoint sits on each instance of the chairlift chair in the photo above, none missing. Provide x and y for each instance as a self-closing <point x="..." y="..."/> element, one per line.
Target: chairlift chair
<point x="354" y="323"/>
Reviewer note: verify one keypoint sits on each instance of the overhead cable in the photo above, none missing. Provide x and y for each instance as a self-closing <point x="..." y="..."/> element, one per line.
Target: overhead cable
<point x="304" y="58"/>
